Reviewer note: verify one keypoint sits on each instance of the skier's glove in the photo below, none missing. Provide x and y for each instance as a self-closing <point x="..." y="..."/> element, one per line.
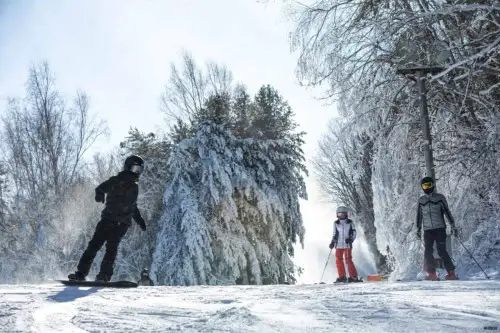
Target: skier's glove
<point x="99" y="196"/>
<point x="141" y="224"/>
<point x="454" y="230"/>
<point x="348" y="240"/>
<point x="332" y="245"/>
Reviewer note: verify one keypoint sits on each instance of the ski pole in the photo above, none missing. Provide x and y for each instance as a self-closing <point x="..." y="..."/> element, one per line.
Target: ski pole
<point x="473" y="258"/>
<point x="326" y="264"/>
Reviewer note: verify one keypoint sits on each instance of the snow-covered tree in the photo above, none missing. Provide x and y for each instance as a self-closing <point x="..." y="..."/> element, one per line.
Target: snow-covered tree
<point x="44" y="140"/>
<point x="3" y="194"/>
<point x="355" y="48"/>
<point x="343" y="167"/>
<point x="232" y="211"/>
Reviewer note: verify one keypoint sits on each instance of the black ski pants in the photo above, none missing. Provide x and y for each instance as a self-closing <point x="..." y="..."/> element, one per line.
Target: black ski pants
<point x="108" y="232"/>
<point x="438" y="236"/>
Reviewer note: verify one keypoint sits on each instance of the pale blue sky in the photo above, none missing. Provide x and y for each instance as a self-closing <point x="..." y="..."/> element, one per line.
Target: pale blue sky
<point x="119" y="52"/>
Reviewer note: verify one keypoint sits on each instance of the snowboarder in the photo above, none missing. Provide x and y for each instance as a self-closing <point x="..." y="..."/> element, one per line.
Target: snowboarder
<point x="343" y="236"/>
<point x="145" y="279"/>
<point x="432" y="207"/>
<point x="119" y="193"/>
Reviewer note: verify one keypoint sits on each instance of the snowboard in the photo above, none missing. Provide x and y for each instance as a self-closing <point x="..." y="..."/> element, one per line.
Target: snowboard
<point x="112" y="284"/>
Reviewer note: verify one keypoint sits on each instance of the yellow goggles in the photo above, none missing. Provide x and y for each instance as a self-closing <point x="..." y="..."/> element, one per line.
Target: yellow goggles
<point x="427" y="185"/>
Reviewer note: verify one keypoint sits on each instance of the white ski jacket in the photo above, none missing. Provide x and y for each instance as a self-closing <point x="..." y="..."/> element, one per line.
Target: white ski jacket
<point x="343" y="229"/>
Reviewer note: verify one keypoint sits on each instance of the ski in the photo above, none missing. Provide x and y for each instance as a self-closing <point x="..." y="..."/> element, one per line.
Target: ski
<point x="349" y="282"/>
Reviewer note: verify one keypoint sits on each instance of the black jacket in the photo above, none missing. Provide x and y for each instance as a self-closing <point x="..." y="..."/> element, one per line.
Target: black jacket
<point x="121" y="192"/>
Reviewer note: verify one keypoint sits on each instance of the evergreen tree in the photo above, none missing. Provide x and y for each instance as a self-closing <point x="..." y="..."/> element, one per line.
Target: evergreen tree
<point x="241" y="112"/>
<point x="180" y="130"/>
<point x="217" y="109"/>
<point x="273" y="117"/>
<point x="232" y="211"/>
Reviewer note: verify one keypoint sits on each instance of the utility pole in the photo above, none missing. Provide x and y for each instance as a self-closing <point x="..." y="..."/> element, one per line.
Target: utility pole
<point x="420" y="73"/>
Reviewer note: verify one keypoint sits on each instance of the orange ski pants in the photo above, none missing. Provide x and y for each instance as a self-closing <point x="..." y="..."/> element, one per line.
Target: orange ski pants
<point x="340" y="254"/>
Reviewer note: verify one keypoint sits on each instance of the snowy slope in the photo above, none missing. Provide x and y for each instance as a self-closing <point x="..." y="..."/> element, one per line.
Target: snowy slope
<point x="461" y="306"/>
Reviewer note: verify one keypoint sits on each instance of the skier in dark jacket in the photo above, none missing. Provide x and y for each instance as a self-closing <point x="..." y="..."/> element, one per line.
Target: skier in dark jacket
<point x="432" y="207"/>
<point x="145" y="279"/>
<point x="119" y="193"/>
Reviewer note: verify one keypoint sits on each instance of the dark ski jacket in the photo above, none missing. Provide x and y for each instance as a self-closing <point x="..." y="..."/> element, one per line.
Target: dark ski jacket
<point x="121" y="192"/>
<point x="431" y="210"/>
<point x="343" y="231"/>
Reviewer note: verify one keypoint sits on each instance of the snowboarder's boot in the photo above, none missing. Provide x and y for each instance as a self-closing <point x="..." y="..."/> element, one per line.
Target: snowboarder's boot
<point x="102" y="278"/>
<point x="341" y="279"/>
<point x="354" y="279"/>
<point x="451" y="276"/>
<point x="76" y="276"/>
<point x="432" y="277"/>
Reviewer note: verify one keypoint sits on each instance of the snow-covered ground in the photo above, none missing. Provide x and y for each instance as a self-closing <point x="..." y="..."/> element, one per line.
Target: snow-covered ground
<point x="446" y="306"/>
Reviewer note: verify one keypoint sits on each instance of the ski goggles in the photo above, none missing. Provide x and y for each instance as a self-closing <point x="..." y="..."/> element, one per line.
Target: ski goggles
<point x="427" y="185"/>
<point x="137" y="169"/>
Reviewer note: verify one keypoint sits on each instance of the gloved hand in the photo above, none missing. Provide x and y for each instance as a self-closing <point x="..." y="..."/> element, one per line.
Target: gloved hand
<point x="348" y="240"/>
<point x="332" y="245"/>
<point x="454" y="230"/>
<point x="99" y="196"/>
<point x="142" y="224"/>
<point x="419" y="234"/>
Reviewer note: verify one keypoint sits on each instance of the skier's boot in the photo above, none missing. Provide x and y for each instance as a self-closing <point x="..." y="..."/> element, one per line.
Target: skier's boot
<point x="102" y="278"/>
<point x="451" y="276"/>
<point x="432" y="277"/>
<point x="341" y="279"/>
<point x="354" y="279"/>
<point x="76" y="276"/>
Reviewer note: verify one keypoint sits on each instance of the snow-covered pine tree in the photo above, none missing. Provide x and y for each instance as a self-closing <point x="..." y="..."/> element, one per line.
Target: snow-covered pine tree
<point x="272" y="120"/>
<point x="231" y="207"/>
<point x="183" y="252"/>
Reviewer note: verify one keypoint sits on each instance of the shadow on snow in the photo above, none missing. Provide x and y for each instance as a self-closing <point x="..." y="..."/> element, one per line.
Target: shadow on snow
<point x="72" y="293"/>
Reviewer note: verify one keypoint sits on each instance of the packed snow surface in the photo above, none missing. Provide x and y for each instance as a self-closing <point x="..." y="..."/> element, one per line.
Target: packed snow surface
<point x="446" y="306"/>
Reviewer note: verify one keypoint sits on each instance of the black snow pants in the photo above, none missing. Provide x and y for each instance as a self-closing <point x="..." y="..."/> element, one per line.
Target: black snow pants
<point x="108" y="232"/>
<point x="438" y="236"/>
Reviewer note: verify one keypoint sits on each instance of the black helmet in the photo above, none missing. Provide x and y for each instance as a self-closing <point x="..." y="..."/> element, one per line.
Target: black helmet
<point x="427" y="184"/>
<point x="134" y="164"/>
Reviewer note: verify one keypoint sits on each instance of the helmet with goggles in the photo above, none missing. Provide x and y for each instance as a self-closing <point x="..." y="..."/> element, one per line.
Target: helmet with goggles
<point x="427" y="184"/>
<point x="134" y="164"/>
<point x="342" y="212"/>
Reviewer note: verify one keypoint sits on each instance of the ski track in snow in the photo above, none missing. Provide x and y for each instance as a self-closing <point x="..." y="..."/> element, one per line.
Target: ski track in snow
<point x="446" y="306"/>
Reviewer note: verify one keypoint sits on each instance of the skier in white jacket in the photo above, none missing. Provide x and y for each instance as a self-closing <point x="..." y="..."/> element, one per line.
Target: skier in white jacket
<point x="344" y="234"/>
